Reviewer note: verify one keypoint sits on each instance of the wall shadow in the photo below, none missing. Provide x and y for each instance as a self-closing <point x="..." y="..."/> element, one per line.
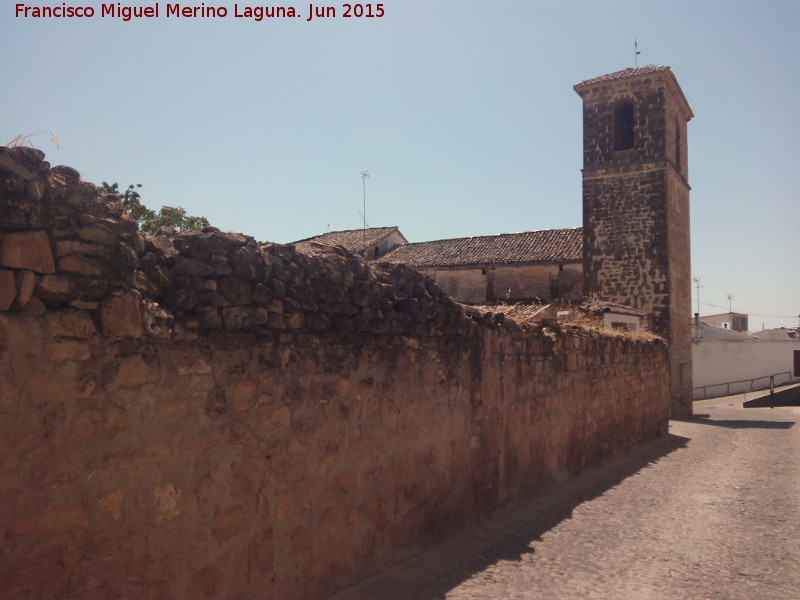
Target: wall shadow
<point x="786" y="397"/>
<point x="559" y="504"/>
<point x="507" y="534"/>
<point x="738" y="423"/>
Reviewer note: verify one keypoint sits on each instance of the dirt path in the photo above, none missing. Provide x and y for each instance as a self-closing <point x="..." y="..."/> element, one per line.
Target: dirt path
<point x="713" y="512"/>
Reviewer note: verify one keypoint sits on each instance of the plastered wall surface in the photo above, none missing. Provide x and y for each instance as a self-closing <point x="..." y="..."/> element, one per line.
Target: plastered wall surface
<point x="539" y="283"/>
<point x="725" y="361"/>
<point x="202" y="416"/>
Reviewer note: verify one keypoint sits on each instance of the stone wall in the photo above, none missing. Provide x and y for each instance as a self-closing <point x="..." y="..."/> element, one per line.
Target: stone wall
<point x="199" y="415"/>
<point x="625" y="229"/>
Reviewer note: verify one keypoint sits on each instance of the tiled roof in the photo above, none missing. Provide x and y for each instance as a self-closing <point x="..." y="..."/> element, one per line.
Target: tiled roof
<point x="519" y="312"/>
<point x="549" y="245"/>
<point x="624" y="74"/>
<point x="355" y="240"/>
<point x="599" y="307"/>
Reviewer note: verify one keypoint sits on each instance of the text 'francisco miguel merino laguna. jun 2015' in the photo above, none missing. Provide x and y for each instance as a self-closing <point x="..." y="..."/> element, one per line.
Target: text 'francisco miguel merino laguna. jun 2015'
<point x="196" y="11"/>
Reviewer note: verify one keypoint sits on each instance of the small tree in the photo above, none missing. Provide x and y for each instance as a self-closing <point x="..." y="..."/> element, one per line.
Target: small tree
<point x="149" y="220"/>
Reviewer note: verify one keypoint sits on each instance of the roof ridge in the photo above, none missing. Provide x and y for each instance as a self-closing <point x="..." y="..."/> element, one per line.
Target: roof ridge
<point x="493" y="235"/>
<point x="360" y="229"/>
<point x="623" y="74"/>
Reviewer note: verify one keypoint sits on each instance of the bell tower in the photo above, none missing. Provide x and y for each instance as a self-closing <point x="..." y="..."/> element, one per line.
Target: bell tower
<point x="636" y="248"/>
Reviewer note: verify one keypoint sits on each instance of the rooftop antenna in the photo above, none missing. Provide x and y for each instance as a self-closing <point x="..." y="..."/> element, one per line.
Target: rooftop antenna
<point x="698" y="286"/>
<point x="636" y="52"/>
<point x="364" y="177"/>
<point x="730" y="300"/>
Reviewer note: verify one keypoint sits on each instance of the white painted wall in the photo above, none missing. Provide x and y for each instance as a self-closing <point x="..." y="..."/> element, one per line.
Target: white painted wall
<point x="630" y="322"/>
<point x="718" y="361"/>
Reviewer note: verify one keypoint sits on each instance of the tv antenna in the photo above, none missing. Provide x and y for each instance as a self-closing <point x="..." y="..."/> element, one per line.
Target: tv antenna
<point x="636" y="52"/>
<point x="730" y="301"/>
<point x="698" y="286"/>
<point x="364" y="177"/>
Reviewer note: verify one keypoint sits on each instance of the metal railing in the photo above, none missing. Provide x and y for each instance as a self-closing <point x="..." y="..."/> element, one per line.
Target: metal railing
<point x="740" y="387"/>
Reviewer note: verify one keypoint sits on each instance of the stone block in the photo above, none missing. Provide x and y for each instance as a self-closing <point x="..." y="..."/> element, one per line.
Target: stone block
<point x="71" y="350"/>
<point x="191" y="267"/>
<point x="295" y="321"/>
<point x="235" y="290"/>
<point x="84" y="305"/>
<point x="69" y="247"/>
<point x="35" y="306"/>
<point x="23" y="161"/>
<point x="80" y="265"/>
<point x="55" y="289"/>
<point x="8" y="289"/>
<point x="70" y="322"/>
<point x="121" y="316"/>
<point x="97" y="233"/>
<point x="235" y="317"/>
<point x="27" y="250"/>
<point x="244" y="394"/>
<point x="26" y="282"/>
<point x="133" y="371"/>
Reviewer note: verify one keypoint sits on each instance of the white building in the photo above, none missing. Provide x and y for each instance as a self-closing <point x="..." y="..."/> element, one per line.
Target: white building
<point x="728" y="362"/>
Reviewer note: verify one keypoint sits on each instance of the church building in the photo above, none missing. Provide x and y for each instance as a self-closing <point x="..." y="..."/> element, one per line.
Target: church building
<point x="633" y="249"/>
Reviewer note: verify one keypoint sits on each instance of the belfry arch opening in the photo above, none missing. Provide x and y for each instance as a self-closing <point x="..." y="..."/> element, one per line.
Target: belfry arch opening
<point x="623" y="126"/>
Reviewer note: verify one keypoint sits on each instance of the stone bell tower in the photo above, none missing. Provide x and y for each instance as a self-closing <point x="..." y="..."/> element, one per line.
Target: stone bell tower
<point x="636" y="248"/>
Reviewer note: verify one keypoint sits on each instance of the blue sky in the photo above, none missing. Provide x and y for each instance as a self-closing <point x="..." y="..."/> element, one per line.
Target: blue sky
<point x="462" y="112"/>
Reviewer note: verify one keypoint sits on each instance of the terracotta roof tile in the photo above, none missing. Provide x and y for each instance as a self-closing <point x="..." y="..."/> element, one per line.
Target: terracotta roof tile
<point x="624" y="74"/>
<point x="355" y="240"/>
<point x="549" y="245"/>
<point x="600" y="307"/>
<point x="519" y="312"/>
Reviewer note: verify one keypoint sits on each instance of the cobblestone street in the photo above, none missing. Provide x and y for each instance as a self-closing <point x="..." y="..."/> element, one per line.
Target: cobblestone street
<point x="710" y="512"/>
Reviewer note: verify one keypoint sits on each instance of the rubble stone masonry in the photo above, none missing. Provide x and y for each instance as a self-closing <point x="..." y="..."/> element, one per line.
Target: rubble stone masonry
<point x="198" y="415"/>
<point x="636" y="207"/>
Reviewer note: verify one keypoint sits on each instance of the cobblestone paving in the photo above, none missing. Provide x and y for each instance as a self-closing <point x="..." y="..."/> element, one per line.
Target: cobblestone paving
<point x="710" y="512"/>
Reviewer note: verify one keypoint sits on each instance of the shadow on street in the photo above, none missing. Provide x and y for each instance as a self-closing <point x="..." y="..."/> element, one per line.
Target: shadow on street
<point x="531" y="520"/>
<point x="738" y="423"/>
<point x="560" y="501"/>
